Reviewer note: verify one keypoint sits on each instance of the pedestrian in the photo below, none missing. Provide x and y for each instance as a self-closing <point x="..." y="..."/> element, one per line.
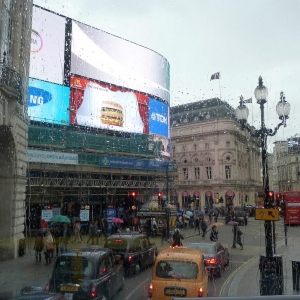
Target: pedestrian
<point x="204" y="228"/>
<point x="92" y="232"/>
<point x="38" y="247"/>
<point x="214" y="234"/>
<point x="77" y="234"/>
<point x="65" y="238"/>
<point x="216" y="214"/>
<point x="197" y="225"/>
<point x="44" y="223"/>
<point x="210" y="217"/>
<point x="49" y="247"/>
<point x="237" y="234"/>
<point x="56" y="237"/>
<point x="163" y="234"/>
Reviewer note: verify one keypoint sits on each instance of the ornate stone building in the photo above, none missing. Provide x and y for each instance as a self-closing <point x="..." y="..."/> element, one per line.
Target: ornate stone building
<point x="214" y="156"/>
<point x="15" y="37"/>
<point x="287" y="165"/>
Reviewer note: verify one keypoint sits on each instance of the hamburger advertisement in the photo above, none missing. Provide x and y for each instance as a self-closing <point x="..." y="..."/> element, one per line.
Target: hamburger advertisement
<point x="102" y="106"/>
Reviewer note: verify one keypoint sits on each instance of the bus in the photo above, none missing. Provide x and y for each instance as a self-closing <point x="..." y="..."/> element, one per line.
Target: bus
<point x="292" y="207"/>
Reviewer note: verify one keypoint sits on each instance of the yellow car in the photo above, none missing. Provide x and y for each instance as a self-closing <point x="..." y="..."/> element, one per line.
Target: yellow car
<point x="178" y="272"/>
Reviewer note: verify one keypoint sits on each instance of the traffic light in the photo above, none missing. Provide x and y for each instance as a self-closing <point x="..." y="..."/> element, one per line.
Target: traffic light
<point x="132" y="195"/>
<point x="246" y="198"/>
<point x="159" y="198"/>
<point x="271" y="200"/>
<point x="278" y="200"/>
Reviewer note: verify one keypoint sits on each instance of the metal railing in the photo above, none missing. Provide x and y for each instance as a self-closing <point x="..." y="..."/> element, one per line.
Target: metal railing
<point x="12" y="80"/>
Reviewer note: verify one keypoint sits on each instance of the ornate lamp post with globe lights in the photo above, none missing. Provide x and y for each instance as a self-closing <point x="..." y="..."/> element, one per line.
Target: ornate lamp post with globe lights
<point x="283" y="109"/>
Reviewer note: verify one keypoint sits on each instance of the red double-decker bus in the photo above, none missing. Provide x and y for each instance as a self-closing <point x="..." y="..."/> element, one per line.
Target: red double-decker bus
<point x="292" y="207"/>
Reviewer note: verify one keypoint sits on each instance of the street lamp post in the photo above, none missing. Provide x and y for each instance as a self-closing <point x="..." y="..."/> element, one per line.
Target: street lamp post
<point x="242" y="112"/>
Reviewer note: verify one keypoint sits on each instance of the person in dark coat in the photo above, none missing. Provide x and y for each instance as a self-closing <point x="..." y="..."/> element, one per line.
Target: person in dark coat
<point x="38" y="247"/>
<point x="163" y="234"/>
<point x="204" y="228"/>
<point x="177" y="237"/>
<point x="237" y="234"/>
<point x="214" y="234"/>
<point x="197" y="225"/>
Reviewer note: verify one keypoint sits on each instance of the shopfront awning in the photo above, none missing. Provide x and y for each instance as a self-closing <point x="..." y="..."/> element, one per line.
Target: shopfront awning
<point x="185" y="194"/>
<point x="196" y="194"/>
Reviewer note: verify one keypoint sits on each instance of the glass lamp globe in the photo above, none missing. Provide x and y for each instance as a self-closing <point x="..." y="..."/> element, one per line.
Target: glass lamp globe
<point x="242" y="113"/>
<point x="261" y="91"/>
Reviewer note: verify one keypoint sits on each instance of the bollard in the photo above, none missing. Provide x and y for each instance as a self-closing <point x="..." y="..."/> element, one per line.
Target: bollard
<point x="296" y="275"/>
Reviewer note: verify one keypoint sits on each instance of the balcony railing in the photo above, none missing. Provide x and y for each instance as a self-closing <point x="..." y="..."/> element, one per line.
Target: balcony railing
<point x="12" y="80"/>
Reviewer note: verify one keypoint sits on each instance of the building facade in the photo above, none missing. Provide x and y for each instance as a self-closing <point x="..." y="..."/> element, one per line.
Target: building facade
<point x="215" y="158"/>
<point x="287" y="155"/>
<point x="15" y="37"/>
<point x="102" y="133"/>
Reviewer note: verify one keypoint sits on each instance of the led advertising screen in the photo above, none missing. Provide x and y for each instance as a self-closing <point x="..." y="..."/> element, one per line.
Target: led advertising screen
<point x="47" y="46"/>
<point x="102" y="106"/>
<point x="105" y="57"/>
<point x="48" y="102"/>
<point x="158" y="118"/>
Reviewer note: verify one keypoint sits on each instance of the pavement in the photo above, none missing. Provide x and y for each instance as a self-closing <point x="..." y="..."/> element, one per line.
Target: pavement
<point x="245" y="279"/>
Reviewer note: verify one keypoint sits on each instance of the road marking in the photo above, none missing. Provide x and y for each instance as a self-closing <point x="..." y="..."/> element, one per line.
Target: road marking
<point x="128" y="297"/>
<point x="239" y="268"/>
<point x="233" y="273"/>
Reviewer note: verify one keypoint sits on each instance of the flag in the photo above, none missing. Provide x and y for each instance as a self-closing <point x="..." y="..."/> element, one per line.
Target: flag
<point x="215" y="76"/>
<point x="248" y="100"/>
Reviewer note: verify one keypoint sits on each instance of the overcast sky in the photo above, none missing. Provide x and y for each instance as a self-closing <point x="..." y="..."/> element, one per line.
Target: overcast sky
<point x="240" y="39"/>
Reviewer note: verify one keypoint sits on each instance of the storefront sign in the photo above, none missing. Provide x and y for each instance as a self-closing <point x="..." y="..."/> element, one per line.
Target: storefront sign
<point x="84" y="215"/>
<point x="52" y="157"/>
<point x="47" y="215"/>
<point x="130" y="163"/>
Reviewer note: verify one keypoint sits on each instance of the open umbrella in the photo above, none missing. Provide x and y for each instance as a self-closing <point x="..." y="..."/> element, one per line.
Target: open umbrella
<point x="60" y="219"/>
<point x="117" y="220"/>
<point x="189" y="213"/>
<point x="217" y="224"/>
<point x="233" y="223"/>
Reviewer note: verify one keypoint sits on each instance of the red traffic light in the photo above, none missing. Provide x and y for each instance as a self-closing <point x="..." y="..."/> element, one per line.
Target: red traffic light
<point x="159" y="194"/>
<point x="271" y="194"/>
<point x="278" y="196"/>
<point x="48" y="207"/>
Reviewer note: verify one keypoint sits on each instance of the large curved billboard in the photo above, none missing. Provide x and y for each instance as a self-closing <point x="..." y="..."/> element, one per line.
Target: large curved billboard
<point x="105" y="57"/>
<point x="95" y="79"/>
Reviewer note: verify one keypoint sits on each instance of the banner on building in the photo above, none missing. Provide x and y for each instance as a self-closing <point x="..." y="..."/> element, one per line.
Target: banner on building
<point x="52" y="157"/>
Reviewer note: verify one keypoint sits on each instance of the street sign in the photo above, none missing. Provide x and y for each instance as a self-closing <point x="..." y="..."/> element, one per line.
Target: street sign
<point x="267" y="214"/>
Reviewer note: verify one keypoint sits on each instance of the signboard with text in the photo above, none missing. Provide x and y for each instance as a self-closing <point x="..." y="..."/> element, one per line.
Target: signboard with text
<point x="47" y="215"/>
<point x="267" y="214"/>
<point x="84" y="215"/>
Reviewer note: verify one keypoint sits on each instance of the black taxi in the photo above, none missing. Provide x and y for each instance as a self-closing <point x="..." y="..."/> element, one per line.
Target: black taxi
<point x="134" y="249"/>
<point x="88" y="273"/>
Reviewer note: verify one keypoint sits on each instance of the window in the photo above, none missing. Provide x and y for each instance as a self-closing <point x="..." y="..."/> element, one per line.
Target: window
<point x="228" y="172"/>
<point x="173" y="149"/>
<point x="197" y="173"/>
<point x="183" y="148"/>
<point x="206" y="146"/>
<point x="208" y="172"/>
<point x="195" y="147"/>
<point x="228" y="158"/>
<point x="185" y="173"/>
<point x="227" y="144"/>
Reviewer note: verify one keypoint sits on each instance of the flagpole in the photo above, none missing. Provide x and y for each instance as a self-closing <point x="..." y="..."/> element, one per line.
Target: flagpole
<point x="220" y="88"/>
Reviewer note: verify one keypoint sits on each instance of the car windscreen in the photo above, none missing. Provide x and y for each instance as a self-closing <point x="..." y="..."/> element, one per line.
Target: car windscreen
<point x="205" y="248"/>
<point x="177" y="269"/>
<point x="117" y="244"/>
<point x="72" y="269"/>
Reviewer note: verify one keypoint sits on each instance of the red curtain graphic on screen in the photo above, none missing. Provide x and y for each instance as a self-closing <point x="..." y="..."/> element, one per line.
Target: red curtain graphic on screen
<point x="100" y="105"/>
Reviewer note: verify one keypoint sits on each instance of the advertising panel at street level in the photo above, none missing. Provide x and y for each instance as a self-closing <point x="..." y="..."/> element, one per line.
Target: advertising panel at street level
<point x="102" y="106"/>
<point x="107" y="58"/>
<point x="48" y="102"/>
<point x="47" y="60"/>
